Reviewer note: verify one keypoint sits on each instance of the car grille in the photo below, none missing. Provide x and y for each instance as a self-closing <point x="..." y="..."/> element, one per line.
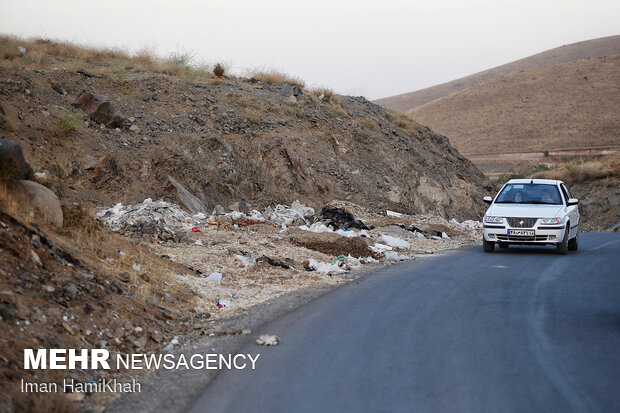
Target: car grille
<point x="522" y="222"/>
<point x="521" y="238"/>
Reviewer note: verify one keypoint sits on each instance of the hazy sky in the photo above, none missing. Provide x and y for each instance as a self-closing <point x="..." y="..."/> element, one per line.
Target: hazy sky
<point x="370" y="48"/>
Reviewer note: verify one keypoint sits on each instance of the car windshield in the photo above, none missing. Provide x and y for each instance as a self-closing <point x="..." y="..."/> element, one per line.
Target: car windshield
<point x="529" y="194"/>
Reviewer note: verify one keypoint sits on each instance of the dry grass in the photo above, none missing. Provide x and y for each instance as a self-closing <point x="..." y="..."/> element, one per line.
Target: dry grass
<point x="99" y="248"/>
<point x="579" y="173"/>
<point x="42" y="403"/>
<point x="272" y="76"/>
<point x="328" y="95"/>
<point x="101" y="61"/>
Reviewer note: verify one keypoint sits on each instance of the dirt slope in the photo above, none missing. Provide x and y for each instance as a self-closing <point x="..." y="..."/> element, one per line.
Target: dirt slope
<point x="605" y="46"/>
<point x="572" y="105"/>
<point x="226" y="140"/>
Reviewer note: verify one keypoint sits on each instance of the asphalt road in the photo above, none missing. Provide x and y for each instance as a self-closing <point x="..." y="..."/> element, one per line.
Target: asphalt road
<point x="519" y="330"/>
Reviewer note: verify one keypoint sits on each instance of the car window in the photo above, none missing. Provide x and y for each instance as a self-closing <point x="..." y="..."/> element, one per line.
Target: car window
<point x="567" y="191"/>
<point x="564" y="191"/>
<point x="529" y="194"/>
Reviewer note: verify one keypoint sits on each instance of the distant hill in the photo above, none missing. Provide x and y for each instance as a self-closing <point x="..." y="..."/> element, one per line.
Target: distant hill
<point x="605" y="46"/>
<point x="559" y="107"/>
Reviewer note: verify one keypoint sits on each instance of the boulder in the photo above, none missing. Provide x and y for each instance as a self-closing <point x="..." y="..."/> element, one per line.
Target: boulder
<point x="44" y="201"/>
<point x="13" y="165"/>
<point x="99" y="108"/>
<point x="190" y="201"/>
<point x="288" y="90"/>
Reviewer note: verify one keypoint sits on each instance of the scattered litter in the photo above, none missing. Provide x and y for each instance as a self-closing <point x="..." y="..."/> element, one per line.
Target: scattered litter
<point x="136" y="267"/>
<point x="198" y="242"/>
<point x="395" y="242"/>
<point x="319" y="266"/>
<point x="394" y="256"/>
<point x="268" y="340"/>
<point x="393" y="214"/>
<point x="221" y="303"/>
<point x="379" y="248"/>
<point x="246" y="261"/>
<point x="214" y="276"/>
<point x="196" y="229"/>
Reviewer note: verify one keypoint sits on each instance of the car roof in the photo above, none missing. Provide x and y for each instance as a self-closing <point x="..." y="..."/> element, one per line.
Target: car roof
<point x="535" y="181"/>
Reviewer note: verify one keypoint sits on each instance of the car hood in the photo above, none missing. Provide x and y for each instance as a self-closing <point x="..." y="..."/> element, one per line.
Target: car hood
<point x="525" y="210"/>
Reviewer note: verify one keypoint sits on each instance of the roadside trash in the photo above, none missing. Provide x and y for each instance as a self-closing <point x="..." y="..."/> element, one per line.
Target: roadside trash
<point x="196" y="229"/>
<point x="221" y="303"/>
<point x="214" y="276"/>
<point x="393" y="214"/>
<point x="198" y="242"/>
<point x="246" y="261"/>
<point x="394" y="256"/>
<point x="136" y="267"/>
<point x="339" y="218"/>
<point x="395" y="242"/>
<point x="379" y="248"/>
<point x="268" y="340"/>
<point x="341" y="257"/>
<point x="319" y="266"/>
<point x="301" y="208"/>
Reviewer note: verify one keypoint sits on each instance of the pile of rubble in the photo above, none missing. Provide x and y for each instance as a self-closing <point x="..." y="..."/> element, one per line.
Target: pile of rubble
<point x="388" y="236"/>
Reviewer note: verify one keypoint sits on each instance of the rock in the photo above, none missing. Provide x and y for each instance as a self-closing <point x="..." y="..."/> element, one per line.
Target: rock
<point x="85" y="73"/>
<point x="89" y="162"/>
<point x="218" y="210"/>
<point x="190" y="201"/>
<point x="146" y="98"/>
<point x="116" y="287"/>
<point x="288" y="90"/>
<point x="35" y="258"/>
<point x="124" y="277"/>
<point x="42" y="199"/>
<point x="134" y="129"/>
<point x="292" y="99"/>
<point x="99" y="108"/>
<point x="13" y="165"/>
<point x="140" y="342"/>
<point x="70" y="291"/>
<point x="240" y="207"/>
<point x="268" y="340"/>
<point x="57" y="87"/>
<point x="49" y="289"/>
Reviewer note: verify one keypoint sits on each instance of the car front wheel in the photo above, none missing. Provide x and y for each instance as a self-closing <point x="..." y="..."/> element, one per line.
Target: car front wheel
<point x="562" y="247"/>
<point x="488" y="246"/>
<point x="573" y="244"/>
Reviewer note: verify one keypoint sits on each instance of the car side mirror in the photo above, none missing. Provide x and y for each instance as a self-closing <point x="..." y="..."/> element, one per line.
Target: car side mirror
<point x="572" y="201"/>
<point x="487" y="199"/>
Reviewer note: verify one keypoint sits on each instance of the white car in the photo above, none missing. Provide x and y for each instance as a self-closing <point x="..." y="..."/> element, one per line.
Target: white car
<point x="532" y="211"/>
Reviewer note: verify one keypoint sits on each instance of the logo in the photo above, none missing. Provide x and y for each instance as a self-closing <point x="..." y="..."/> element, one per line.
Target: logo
<point x="521" y="222"/>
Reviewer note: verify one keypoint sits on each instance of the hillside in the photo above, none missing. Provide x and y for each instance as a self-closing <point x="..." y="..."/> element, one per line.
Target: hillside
<point x="606" y="46"/>
<point x="568" y="106"/>
<point x="224" y="139"/>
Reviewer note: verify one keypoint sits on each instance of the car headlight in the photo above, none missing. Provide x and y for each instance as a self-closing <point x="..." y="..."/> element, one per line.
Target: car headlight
<point x="493" y="220"/>
<point x="550" y="220"/>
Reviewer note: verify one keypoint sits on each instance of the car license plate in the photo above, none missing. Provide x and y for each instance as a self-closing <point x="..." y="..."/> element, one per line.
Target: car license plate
<point x="524" y="232"/>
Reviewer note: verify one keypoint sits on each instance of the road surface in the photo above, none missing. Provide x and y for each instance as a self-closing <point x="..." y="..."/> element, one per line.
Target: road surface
<point x="519" y="330"/>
